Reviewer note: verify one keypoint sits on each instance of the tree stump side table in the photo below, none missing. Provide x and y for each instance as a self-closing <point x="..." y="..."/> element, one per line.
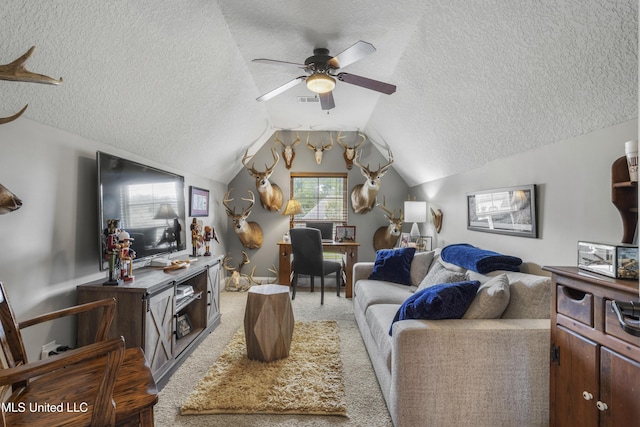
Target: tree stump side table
<point x="268" y="322"/>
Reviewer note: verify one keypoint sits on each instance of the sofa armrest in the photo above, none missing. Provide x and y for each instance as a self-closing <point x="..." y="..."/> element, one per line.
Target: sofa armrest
<point x="493" y="371"/>
<point x="362" y="270"/>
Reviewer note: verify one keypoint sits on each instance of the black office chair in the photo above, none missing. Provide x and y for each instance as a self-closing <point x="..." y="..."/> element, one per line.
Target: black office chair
<point x="306" y="245"/>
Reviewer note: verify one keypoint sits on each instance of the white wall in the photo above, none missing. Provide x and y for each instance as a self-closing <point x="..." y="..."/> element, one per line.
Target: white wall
<point x="573" y="180"/>
<point x="50" y="245"/>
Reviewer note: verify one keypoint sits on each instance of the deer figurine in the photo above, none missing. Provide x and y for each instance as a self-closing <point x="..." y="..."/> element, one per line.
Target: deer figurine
<point x="386" y="237"/>
<point x="270" y="193"/>
<point x="363" y="196"/>
<point x="287" y="150"/>
<point x="233" y="281"/>
<point x="320" y="148"/>
<point x="250" y="233"/>
<point x="350" y="152"/>
<point x="9" y="202"/>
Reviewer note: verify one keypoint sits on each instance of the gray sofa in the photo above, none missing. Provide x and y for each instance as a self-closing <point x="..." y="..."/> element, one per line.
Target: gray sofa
<point x="491" y="371"/>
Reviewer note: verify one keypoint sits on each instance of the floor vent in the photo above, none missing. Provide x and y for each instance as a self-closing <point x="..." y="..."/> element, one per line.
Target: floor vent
<point x="307" y="99"/>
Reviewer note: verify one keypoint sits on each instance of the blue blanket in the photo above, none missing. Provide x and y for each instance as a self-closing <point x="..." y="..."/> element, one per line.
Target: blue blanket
<point x="479" y="260"/>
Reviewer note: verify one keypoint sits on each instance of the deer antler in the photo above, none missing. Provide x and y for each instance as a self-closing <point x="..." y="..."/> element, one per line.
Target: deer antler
<point x="225" y="261"/>
<point x="342" y="144"/>
<point x="328" y="147"/>
<point x="251" y="169"/>
<point x="16" y="71"/>
<point x="251" y="201"/>
<point x="383" y="169"/>
<point x="4" y="120"/>
<point x="225" y="202"/>
<point x="276" y="139"/>
<point x="385" y="209"/>
<point x="276" y="158"/>
<point x="245" y="260"/>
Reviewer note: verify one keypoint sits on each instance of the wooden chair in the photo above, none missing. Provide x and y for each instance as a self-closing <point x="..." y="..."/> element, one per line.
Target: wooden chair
<point x="100" y="384"/>
<point x="306" y="245"/>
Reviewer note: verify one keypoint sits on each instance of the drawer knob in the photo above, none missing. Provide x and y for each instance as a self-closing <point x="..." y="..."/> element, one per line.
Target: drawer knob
<point x="587" y="395"/>
<point x="602" y="406"/>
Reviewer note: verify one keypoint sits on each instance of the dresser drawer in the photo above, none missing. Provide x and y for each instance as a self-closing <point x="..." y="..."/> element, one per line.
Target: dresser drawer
<point x="575" y="304"/>
<point x="612" y="327"/>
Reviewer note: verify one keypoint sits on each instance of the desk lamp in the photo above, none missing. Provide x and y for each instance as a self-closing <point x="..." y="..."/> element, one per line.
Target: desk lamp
<point x="293" y="208"/>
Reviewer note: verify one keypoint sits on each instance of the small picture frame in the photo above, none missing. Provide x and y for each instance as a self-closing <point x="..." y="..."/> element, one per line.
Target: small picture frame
<point x="404" y="240"/>
<point x="183" y="325"/>
<point x="198" y="202"/>
<point x="424" y="243"/>
<point x="345" y="233"/>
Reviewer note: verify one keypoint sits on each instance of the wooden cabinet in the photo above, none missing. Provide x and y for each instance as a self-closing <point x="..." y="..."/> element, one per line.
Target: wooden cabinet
<point x="150" y="310"/>
<point x="595" y="365"/>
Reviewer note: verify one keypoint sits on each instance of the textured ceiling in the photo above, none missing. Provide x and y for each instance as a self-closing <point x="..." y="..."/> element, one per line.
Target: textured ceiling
<point x="173" y="81"/>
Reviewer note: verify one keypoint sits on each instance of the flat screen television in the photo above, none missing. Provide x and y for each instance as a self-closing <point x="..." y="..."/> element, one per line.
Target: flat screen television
<point x="148" y="202"/>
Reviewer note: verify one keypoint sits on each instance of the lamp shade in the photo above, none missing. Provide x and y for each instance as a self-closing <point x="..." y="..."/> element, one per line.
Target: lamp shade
<point x="320" y="83"/>
<point x="292" y="208"/>
<point x="165" y="211"/>
<point x="415" y="211"/>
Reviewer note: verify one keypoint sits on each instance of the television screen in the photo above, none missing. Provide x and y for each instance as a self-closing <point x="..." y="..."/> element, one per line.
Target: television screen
<point x="149" y="204"/>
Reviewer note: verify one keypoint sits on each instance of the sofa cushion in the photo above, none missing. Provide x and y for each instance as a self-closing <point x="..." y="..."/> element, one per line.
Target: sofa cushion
<point x="393" y="265"/>
<point x="440" y="274"/>
<point x="491" y="300"/>
<point x="420" y="266"/>
<point x="442" y="301"/>
<point x="371" y="292"/>
<point x="530" y="297"/>
<point x="379" y="318"/>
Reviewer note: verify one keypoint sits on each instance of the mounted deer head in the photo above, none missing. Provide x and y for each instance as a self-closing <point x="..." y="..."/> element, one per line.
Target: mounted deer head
<point x="320" y="148"/>
<point x="250" y="233"/>
<point x="233" y="281"/>
<point x="436" y="217"/>
<point x="350" y="152"/>
<point x="287" y="150"/>
<point x="386" y="237"/>
<point x="270" y="194"/>
<point x="9" y="202"/>
<point x="363" y="196"/>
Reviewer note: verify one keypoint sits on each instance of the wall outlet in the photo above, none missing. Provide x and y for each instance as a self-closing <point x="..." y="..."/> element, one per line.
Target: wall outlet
<point x="48" y="348"/>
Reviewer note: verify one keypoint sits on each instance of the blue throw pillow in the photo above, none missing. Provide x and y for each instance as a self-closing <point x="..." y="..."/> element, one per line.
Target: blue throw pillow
<point x="393" y="265"/>
<point x="443" y="301"/>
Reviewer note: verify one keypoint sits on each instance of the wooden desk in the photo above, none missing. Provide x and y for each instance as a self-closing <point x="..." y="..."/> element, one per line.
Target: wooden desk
<point x="350" y="249"/>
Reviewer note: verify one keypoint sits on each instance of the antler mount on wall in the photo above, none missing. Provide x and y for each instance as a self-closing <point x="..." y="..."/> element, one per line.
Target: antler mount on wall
<point x="16" y="71"/>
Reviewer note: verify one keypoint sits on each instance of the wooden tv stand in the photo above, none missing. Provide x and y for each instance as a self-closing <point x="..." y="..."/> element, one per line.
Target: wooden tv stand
<point x="148" y="311"/>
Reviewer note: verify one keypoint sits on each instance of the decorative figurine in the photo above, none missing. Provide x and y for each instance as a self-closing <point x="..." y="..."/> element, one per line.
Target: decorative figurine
<point x="126" y="256"/>
<point x="196" y="236"/>
<point x="209" y="234"/>
<point x="112" y="250"/>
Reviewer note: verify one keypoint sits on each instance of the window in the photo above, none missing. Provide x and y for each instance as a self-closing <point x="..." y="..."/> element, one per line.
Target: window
<point x="322" y="196"/>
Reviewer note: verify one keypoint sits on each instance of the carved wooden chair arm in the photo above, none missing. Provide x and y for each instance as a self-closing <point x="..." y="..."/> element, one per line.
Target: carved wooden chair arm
<point x="109" y="306"/>
<point x="9" y="376"/>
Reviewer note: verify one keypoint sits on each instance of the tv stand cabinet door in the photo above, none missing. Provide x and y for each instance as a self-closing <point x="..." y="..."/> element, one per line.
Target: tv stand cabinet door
<point x="158" y="348"/>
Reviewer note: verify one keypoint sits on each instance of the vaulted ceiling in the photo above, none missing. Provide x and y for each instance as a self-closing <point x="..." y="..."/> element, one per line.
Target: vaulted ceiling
<point x="174" y="81"/>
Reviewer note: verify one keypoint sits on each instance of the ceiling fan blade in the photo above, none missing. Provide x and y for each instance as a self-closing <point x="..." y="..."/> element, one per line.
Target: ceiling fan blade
<point x="376" y="85"/>
<point x="326" y="100"/>
<point x="276" y="62"/>
<point x="352" y="54"/>
<point x="280" y="89"/>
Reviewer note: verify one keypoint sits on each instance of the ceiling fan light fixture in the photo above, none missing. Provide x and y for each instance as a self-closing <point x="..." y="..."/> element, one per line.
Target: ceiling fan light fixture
<point x="321" y="83"/>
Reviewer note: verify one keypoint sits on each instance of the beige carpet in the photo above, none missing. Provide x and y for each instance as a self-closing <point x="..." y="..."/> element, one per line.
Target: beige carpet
<point x="365" y="405"/>
<point x="309" y="381"/>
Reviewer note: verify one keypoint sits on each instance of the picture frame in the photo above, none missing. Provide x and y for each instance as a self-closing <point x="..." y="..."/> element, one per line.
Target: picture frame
<point x="424" y="243"/>
<point x="198" y="202"/>
<point x="403" y="240"/>
<point x="345" y="233"/>
<point x="510" y="210"/>
<point x="183" y="325"/>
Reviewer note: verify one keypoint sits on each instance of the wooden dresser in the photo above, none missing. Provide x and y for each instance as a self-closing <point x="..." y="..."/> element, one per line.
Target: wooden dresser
<point x="595" y="364"/>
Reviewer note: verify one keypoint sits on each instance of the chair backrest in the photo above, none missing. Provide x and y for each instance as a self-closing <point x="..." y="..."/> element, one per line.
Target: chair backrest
<point x="306" y="245"/>
<point x="12" y="352"/>
<point x="326" y="229"/>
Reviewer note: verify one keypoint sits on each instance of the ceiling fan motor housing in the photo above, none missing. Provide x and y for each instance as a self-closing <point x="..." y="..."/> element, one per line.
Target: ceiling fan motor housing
<point x="320" y="59"/>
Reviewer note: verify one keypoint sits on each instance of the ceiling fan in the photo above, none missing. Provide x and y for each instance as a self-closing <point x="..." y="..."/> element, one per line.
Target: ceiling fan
<point x="321" y="69"/>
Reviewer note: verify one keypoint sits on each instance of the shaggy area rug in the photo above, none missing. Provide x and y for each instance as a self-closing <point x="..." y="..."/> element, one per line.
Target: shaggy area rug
<point x="309" y="381"/>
